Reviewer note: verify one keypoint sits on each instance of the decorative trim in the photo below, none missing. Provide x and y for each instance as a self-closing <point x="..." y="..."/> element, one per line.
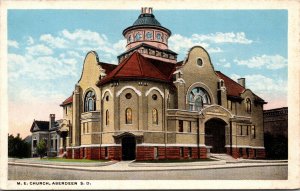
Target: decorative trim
<point x="107" y="90"/>
<point x="129" y="87"/>
<point x="155" y="88"/>
<point x="110" y="145"/>
<point x="178" y="71"/>
<point x="179" y="80"/>
<point x="91" y="145"/>
<point x="245" y="146"/>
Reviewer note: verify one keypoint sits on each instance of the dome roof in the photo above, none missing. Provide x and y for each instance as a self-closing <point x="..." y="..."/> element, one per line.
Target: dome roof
<point x="146" y="19"/>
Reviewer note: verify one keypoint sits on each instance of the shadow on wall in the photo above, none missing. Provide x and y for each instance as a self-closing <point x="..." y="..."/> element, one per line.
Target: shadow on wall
<point x="276" y="146"/>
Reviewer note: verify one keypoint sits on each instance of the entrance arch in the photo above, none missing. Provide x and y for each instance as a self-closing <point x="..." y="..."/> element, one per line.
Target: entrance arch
<point x="128" y="148"/>
<point x="215" y="135"/>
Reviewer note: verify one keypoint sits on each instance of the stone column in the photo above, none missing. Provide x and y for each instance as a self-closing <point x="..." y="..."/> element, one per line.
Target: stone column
<point x="76" y="117"/>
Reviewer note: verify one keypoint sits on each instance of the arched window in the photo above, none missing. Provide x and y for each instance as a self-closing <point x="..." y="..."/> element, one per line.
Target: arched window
<point x="90" y="101"/>
<point x="199" y="62"/>
<point x="128" y="116"/>
<point x="198" y="97"/>
<point x="248" y="105"/>
<point x="107" y="117"/>
<point x="155" y="116"/>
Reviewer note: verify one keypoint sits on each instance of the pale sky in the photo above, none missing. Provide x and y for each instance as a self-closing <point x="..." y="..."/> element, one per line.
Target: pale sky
<point x="46" y="49"/>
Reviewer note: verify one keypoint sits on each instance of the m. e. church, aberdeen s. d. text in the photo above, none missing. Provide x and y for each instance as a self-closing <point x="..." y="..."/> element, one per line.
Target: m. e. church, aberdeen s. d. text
<point x="151" y="106"/>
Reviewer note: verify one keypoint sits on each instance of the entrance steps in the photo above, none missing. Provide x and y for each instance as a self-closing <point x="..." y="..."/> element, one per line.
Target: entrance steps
<point x="223" y="156"/>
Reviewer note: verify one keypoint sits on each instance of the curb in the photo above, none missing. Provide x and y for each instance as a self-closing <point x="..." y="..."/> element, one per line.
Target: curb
<point x="178" y="164"/>
<point x="76" y="164"/>
<point x="159" y="169"/>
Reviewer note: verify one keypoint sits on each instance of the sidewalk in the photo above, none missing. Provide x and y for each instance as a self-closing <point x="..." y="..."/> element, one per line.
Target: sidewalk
<point x="115" y="166"/>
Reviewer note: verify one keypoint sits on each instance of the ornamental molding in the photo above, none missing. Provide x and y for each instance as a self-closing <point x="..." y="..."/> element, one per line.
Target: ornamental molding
<point x="129" y="87"/>
<point x="155" y="88"/>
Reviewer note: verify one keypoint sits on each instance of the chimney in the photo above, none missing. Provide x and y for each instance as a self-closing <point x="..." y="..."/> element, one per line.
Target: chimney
<point x="146" y="10"/>
<point x="52" y="120"/>
<point x="242" y="82"/>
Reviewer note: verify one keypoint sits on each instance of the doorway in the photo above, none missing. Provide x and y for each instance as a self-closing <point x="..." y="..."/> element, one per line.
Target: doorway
<point x="215" y="135"/>
<point x="128" y="148"/>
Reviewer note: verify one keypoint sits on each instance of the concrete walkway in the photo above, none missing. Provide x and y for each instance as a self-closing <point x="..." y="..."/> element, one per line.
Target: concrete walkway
<point x="115" y="166"/>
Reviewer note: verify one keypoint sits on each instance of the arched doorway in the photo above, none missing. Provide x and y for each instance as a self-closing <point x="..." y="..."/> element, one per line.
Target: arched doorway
<point x="215" y="135"/>
<point x="128" y="148"/>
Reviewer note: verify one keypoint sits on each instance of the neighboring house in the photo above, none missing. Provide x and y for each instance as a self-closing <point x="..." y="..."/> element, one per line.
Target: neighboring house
<point x="276" y="121"/>
<point x="150" y="106"/>
<point x="276" y="133"/>
<point x="51" y="132"/>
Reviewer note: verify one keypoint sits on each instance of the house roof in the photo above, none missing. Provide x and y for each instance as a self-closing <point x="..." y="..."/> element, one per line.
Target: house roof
<point x="107" y="67"/>
<point x="41" y="126"/>
<point x="235" y="89"/>
<point x="69" y="100"/>
<point x="138" y="67"/>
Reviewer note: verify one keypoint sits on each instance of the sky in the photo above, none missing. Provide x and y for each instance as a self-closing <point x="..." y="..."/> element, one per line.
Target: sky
<point x="46" y="49"/>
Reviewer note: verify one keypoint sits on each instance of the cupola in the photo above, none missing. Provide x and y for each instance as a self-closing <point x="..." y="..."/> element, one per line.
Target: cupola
<point x="149" y="37"/>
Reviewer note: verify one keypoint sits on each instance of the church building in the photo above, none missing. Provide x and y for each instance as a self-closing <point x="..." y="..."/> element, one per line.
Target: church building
<point x="150" y="106"/>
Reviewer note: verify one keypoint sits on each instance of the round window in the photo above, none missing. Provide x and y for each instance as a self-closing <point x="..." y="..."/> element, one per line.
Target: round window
<point x="107" y="98"/>
<point x="154" y="97"/>
<point x="128" y="95"/>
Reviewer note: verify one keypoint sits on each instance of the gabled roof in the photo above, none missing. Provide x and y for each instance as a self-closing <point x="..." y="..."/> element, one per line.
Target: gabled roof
<point x="107" y="67"/>
<point x="39" y="126"/>
<point x="233" y="88"/>
<point x="136" y="66"/>
<point x="69" y="100"/>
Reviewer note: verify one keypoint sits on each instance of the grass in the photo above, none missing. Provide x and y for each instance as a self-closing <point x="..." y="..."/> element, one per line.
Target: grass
<point x="71" y="160"/>
<point x="175" y="160"/>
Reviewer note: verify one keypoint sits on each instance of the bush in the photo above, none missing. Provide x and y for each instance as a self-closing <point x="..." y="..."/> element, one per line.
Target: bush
<point x="41" y="148"/>
<point x="17" y="147"/>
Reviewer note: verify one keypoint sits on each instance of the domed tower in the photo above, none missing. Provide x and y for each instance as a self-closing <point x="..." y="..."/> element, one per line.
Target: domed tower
<point x="148" y="37"/>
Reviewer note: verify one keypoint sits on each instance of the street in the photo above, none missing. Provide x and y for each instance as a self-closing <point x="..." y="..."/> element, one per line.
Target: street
<point x="280" y="172"/>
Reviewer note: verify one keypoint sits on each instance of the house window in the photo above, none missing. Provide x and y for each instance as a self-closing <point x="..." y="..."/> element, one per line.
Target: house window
<point x="248" y="105"/>
<point x="241" y="152"/>
<point x="55" y="148"/>
<point x="90" y="101"/>
<point x="154" y="97"/>
<point x="241" y="129"/>
<point x="190" y="152"/>
<point x="107" y="98"/>
<point x="253" y="133"/>
<point x="107" y="117"/>
<point x="199" y="62"/>
<point x="128" y="96"/>
<point x="190" y="127"/>
<point x="34" y="143"/>
<point x="198" y="97"/>
<point x="105" y="152"/>
<point x="128" y="116"/>
<point x="155" y="153"/>
<point x="181" y="152"/>
<point x="66" y="109"/>
<point x="229" y="104"/>
<point x="180" y="126"/>
<point x="247" y="131"/>
<point x="155" y="116"/>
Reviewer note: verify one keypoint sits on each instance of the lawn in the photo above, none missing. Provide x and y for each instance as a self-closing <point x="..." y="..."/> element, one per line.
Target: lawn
<point x="175" y="160"/>
<point x="71" y="160"/>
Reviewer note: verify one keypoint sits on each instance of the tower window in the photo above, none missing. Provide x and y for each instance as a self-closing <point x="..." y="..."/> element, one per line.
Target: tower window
<point x="158" y="36"/>
<point x="128" y="116"/>
<point x="199" y="62"/>
<point x="138" y="36"/>
<point x="90" y="101"/>
<point x="149" y="35"/>
<point x="154" y="97"/>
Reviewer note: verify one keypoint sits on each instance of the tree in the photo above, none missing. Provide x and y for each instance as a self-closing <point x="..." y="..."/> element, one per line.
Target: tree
<point x="41" y="148"/>
<point x="17" y="147"/>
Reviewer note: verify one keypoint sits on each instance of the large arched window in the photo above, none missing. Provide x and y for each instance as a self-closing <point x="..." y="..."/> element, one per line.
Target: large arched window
<point x="128" y="116"/>
<point x="248" y="105"/>
<point x="198" y="97"/>
<point x="90" y="101"/>
<point x="155" y="116"/>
